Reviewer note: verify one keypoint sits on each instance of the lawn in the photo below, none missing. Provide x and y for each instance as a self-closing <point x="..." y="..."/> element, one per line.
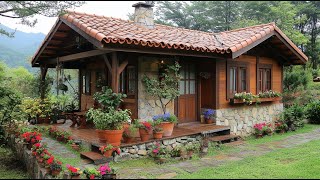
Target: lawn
<point x="299" y="162"/>
<point x="10" y="168"/>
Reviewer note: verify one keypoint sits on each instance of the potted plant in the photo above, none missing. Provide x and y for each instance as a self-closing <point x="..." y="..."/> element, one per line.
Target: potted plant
<point x="209" y="116"/>
<point x="145" y="129"/>
<point x="129" y="133"/>
<point x="167" y="123"/>
<point x="73" y="172"/>
<point x="259" y="129"/>
<point x="106" y="150"/>
<point x="157" y="130"/>
<point x="75" y="145"/>
<point x="191" y="148"/>
<point x="267" y="129"/>
<point x="280" y="127"/>
<point x="107" y="172"/>
<point x="92" y="173"/>
<point x="55" y="168"/>
<point x="109" y="119"/>
<point x="159" y="153"/>
<point x="48" y="160"/>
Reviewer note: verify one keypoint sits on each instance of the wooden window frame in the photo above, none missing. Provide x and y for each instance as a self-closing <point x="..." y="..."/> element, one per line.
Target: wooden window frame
<point x="238" y="65"/>
<point x="264" y="67"/>
<point x="126" y="81"/>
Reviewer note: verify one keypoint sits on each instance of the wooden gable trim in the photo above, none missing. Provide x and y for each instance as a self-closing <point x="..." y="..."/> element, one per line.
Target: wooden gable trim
<point x="250" y="46"/>
<point x="47" y="40"/>
<point x="290" y="47"/>
<point x="92" y="40"/>
<point x="77" y="56"/>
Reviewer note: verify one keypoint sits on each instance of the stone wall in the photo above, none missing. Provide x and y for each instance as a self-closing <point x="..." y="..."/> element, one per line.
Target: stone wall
<point x="142" y="150"/>
<point x="242" y="119"/>
<point x="148" y="106"/>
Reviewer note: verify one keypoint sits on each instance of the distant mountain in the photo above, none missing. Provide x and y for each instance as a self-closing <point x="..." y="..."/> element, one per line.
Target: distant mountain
<point x="17" y="51"/>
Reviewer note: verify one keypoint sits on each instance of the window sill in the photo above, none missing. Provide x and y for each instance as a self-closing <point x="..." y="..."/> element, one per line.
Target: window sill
<point x="240" y="101"/>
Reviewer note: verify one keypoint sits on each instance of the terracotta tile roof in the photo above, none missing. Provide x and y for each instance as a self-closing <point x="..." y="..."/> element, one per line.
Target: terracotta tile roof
<point x="114" y="30"/>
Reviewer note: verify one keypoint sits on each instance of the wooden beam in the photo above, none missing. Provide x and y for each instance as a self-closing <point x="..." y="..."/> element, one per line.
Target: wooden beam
<point x="92" y="40"/>
<point x="290" y="47"/>
<point x="77" y="56"/>
<point x="252" y="45"/>
<point x="106" y="60"/>
<point x="43" y="70"/>
<point x="47" y="40"/>
<point x="122" y="66"/>
<point x="114" y="73"/>
<point x="166" y="52"/>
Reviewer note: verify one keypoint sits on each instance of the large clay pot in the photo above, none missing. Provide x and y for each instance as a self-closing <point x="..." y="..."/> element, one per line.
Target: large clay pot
<point x="113" y="137"/>
<point x="101" y="136"/>
<point x="144" y="134"/>
<point x="167" y="128"/>
<point x="158" y="135"/>
<point x="209" y="121"/>
<point x="128" y="139"/>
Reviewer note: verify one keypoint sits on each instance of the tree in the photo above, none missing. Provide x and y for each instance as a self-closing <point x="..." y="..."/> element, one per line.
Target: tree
<point x="166" y="87"/>
<point x="26" y="10"/>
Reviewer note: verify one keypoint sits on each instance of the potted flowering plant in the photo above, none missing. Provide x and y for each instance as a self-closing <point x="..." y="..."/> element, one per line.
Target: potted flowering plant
<point x="145" y="129"/>
<point x="31" y="138"/>
<point x="157" y="129"/>
<point x="92" y="173"/>
<point x="209" y="115"/>
<point x="73" y="172"/>
<point x="106" y="150"/>
<point x="75" y="145"/>
<point x="267" y="129"/>
<point x="159" y="153"/>
<point x="107" y="172"/>
<point x="167" y="123"/>
<point x="259" y="129"/>
<point x="55" y="167"/>
<point x="129" y="133"/>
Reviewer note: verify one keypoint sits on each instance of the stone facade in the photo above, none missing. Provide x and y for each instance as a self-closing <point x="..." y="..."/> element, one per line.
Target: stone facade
<point x="148" y="106"/>
<point x="142" y="150"/>
<point x="242" y="119"/>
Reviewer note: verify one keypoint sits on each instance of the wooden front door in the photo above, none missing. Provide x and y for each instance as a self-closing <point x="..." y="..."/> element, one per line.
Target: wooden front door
<point x="187" y="111"/>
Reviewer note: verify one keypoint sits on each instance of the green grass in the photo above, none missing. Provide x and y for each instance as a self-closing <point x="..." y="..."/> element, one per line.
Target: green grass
<point x="277" y="137"/>
<point x="299" y="162"/>
<point x="10" y="167"/>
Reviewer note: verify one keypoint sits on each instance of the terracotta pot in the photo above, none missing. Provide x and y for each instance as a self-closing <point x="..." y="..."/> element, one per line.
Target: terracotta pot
<point x="109" y="176"/>
<point x="101" y="136"/>
<point x="113" y="137"/>
<point x="210" y="121"/>
<point x="258" y="136"/>
<point x="76" y="177"/>
<point x="108" y="153"/>
<point x="167" y="128"/>
<point x="75" y="147"/>
<point x="60" y="139"/>
<point x="55" y="172"/>
<point x="144" y="134"/>
<point x="128" y="139"/>
<point x="158" y="135"/>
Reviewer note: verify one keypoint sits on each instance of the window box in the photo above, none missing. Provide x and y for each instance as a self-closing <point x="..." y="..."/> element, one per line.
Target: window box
<point x="240" y="101"/>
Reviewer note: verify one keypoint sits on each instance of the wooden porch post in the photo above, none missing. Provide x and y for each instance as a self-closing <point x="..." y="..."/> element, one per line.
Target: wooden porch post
<point x="116" y="70"/>
<point x="43" y="70"/>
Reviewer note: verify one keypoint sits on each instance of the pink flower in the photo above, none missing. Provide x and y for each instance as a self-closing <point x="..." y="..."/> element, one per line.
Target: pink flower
<point x="155" y="151"/>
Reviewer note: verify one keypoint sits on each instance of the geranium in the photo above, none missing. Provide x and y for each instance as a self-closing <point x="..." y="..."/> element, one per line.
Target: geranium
<point x="259" y="127"/>
<point x="50" y="160"/>
<point x="117" y="150"/>
<point x="157" y="150"/>
<point x="72" y="170"/>
<point x="105" y="169"/>
<point x="103" y="149"/>
<point x="146" y="125"/>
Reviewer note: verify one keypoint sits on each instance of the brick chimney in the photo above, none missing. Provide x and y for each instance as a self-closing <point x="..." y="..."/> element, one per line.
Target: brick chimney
<point x="143" y="14"/>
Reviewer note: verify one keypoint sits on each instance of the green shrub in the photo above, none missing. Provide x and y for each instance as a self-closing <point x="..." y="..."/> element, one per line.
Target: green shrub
<point x="313" y="112"/>
<point x="293" y="116"/>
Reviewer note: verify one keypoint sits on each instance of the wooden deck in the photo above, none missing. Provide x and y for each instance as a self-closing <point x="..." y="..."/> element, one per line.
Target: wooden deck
<point x="90" y="136"/>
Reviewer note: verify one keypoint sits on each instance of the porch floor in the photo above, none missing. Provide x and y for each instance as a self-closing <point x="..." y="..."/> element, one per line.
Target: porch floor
<point x="89" y="135"/>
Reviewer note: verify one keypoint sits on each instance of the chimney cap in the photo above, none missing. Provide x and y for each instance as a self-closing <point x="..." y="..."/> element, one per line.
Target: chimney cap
<point x="142" y="4"/>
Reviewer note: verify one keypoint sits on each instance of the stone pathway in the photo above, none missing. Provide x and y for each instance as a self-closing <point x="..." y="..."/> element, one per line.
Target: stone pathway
<point x="170" y="171"/>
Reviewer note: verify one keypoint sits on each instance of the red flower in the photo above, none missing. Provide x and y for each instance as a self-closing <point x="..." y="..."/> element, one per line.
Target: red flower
<point x="38" y="138"/>
<point x="50" y="160"/>
<point x="91" y="176"/>
<point x="37" y="145"/>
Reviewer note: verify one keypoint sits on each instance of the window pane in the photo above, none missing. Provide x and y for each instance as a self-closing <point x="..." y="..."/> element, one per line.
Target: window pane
<point x="243" y="79"/>
<point x="132" y="80"/>
<point x="181" y="87"/>
<point x="187" y="87"/>
<point x="192" y="86"/>
<point x="83" y="84"/>
<point x="87" y="81"/>
<point x="192" y="72"/>
<point x="233" y="80"/>
<point x="182" y="74"/>
<point x="268" y="79"/>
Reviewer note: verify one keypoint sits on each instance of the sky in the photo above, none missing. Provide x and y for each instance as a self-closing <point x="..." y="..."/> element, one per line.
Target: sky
<point x="118" y="9"/>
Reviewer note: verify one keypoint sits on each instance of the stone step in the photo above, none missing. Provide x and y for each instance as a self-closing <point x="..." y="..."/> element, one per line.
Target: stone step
<point x="223" y="138"/>
<point x="95" y="157"/>
<point x="235" y="143"/>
